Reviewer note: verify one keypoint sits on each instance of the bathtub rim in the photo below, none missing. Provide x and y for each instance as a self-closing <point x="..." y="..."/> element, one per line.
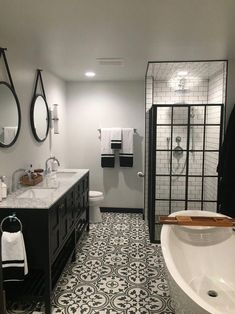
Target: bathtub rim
<point x="175" y="274"/>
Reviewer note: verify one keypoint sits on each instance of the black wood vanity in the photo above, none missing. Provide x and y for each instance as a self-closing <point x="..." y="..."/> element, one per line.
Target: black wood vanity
<point x="50" y="235"/>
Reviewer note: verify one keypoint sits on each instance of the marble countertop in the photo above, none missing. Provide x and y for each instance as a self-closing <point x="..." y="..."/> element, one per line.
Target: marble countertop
<point x="57" y="183"/>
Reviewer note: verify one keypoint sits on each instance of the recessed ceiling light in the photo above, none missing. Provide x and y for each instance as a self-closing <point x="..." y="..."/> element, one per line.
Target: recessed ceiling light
<point x="182" y="73"/>
<point x="90" y="74"/>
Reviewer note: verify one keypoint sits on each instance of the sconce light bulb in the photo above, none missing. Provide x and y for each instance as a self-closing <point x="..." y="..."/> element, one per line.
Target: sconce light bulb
<point x="90" y="74"/>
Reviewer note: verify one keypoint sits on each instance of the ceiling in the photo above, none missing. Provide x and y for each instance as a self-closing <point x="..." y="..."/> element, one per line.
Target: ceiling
<point x="194" y="70"/>
<point x="66" y="37"/>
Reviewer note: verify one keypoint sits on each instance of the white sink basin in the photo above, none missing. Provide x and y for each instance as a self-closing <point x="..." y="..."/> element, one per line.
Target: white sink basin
<point x="64" y="174"/>
<point x="36" y="193"/>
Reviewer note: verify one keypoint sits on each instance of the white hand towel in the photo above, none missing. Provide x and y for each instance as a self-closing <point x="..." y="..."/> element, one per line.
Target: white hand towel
<point x="126" y="154"/>
<point x="14" y="259"/>
<point x="116" y="138"/>
<point x="9" y="133"/>
<point x="107" y="155"/>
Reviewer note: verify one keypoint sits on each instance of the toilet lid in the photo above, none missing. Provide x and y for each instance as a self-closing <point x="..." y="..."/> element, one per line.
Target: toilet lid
<point x="95" y="194"/>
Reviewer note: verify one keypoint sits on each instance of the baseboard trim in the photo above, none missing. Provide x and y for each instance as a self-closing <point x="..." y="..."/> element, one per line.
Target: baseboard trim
<point x="121" y="210"/>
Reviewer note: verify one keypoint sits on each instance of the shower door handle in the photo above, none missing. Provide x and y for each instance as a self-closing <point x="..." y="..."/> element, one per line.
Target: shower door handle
<point x="140" y="174"/>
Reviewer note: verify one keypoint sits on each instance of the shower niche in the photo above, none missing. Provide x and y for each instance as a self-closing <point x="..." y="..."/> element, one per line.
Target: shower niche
<point x="184" y="125"/>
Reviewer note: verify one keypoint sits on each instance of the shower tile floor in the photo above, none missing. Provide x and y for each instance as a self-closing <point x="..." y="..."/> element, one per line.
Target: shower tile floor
<point x="117" y="270"/>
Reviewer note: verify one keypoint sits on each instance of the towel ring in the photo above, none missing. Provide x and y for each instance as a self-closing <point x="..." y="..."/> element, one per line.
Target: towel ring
<point x="11" y="217"/>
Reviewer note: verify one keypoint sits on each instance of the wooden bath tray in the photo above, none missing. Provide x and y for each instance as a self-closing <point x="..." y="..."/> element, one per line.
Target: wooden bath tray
<point x="198" y="221"/>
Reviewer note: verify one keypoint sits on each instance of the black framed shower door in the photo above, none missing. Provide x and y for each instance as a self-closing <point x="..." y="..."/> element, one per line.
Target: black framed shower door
<point x="183" y="148"/>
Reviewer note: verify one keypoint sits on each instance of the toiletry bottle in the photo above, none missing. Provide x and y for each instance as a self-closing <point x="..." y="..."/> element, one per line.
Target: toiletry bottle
<point x="30" y="172"/>
<point x="4" y="187"/>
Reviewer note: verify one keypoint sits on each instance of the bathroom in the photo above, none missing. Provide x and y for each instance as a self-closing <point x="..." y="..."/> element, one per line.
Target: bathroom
<point x="116" y="96"/>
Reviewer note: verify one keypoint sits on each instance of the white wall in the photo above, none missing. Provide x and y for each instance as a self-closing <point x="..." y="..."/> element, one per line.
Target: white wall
<point x="92" y="105"/>
<point x="27" y="150"/>
<point x="230" y="88"/>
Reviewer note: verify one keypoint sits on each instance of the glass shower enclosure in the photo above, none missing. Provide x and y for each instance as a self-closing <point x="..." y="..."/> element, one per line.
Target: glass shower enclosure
<point x="184" y="142"/>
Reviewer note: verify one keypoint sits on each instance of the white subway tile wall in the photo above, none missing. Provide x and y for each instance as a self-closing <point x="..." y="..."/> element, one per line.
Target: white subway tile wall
<point x="197" y="115"/>
<point x="149" y="92"/>
<point x="216" y="90"/>
<point x="163" y="137"/>
<point x="211" y="187"/>
<point x="177" y="206"/>
<point x="196" y="138"/>
<point x="168" y="92"/>
<point x="163" y="187"/>
<point x="195" y="163"/>
<point x="178" y="165"/>
<point x="164" y="115"/>
<point x="211" y="162"/>
<point x="178" y="188"/>
<point x="210" y="206"/>
<point x="162" y="163"/>
<point x="213" y="115"/>
<point x="212" y="137"/>
<point x="148" y="102"/>
<point x="194" y="205"/>
<point x="162" y="207"/>
<point x="194" y="188"/>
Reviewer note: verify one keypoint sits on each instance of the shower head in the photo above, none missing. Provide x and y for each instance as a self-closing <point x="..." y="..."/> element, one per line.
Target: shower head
<point x="181" y="86"/>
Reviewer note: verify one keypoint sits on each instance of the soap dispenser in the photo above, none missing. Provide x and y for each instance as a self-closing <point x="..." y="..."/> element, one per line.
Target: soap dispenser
<point x="3" y="187"/>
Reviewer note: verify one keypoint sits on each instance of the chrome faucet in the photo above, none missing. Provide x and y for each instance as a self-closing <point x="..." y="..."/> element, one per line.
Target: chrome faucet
<point x="47" y="168"/>
<point x="14" y="186"/>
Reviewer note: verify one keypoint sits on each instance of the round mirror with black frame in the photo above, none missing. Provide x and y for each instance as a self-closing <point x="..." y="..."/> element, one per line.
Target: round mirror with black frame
<point x="10" y="115"/>
<point x="39" y="118"/>
<point x="39" y="112"/>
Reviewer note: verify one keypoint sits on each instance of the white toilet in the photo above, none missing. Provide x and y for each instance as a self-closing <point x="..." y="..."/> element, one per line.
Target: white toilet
<point x="95" y="198"/>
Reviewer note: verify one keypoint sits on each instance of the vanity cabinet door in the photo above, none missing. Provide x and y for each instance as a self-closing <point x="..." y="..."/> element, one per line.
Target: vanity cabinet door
<point x="54" y="230"/>
<point x="78" y="205"/>
<point x="63" y="214"/>
<point x="71" y="208"/>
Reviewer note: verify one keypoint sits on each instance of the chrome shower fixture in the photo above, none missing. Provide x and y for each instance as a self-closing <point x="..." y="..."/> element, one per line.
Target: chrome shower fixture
<point x="178" y="139"/>
<point x="192" y="113"/>
<point x="178" y="150"/>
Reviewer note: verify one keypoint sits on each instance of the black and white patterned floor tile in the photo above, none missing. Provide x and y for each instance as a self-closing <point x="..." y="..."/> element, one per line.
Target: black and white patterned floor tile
<point x="117" y="270"/>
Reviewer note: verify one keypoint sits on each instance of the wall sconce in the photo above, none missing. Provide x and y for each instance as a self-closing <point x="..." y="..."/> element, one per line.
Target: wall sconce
<point x="54" y="119"/>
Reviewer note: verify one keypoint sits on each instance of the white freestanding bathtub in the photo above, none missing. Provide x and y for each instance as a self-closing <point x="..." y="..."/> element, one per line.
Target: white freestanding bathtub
<point x="200" y="264"/>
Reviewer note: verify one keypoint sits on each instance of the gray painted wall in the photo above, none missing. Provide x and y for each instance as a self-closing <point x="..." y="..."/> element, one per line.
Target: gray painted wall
<point x="26" y="150"/>
<point x="230" y="88"/>
<point x="95" y="105"/>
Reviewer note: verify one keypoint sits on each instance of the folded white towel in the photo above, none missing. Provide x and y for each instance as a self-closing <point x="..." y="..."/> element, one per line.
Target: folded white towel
<point x="126" y="154"/>
<point x="116" y="138"/>
<point x="14" y="259"/>
<point x="107" y="154"/>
